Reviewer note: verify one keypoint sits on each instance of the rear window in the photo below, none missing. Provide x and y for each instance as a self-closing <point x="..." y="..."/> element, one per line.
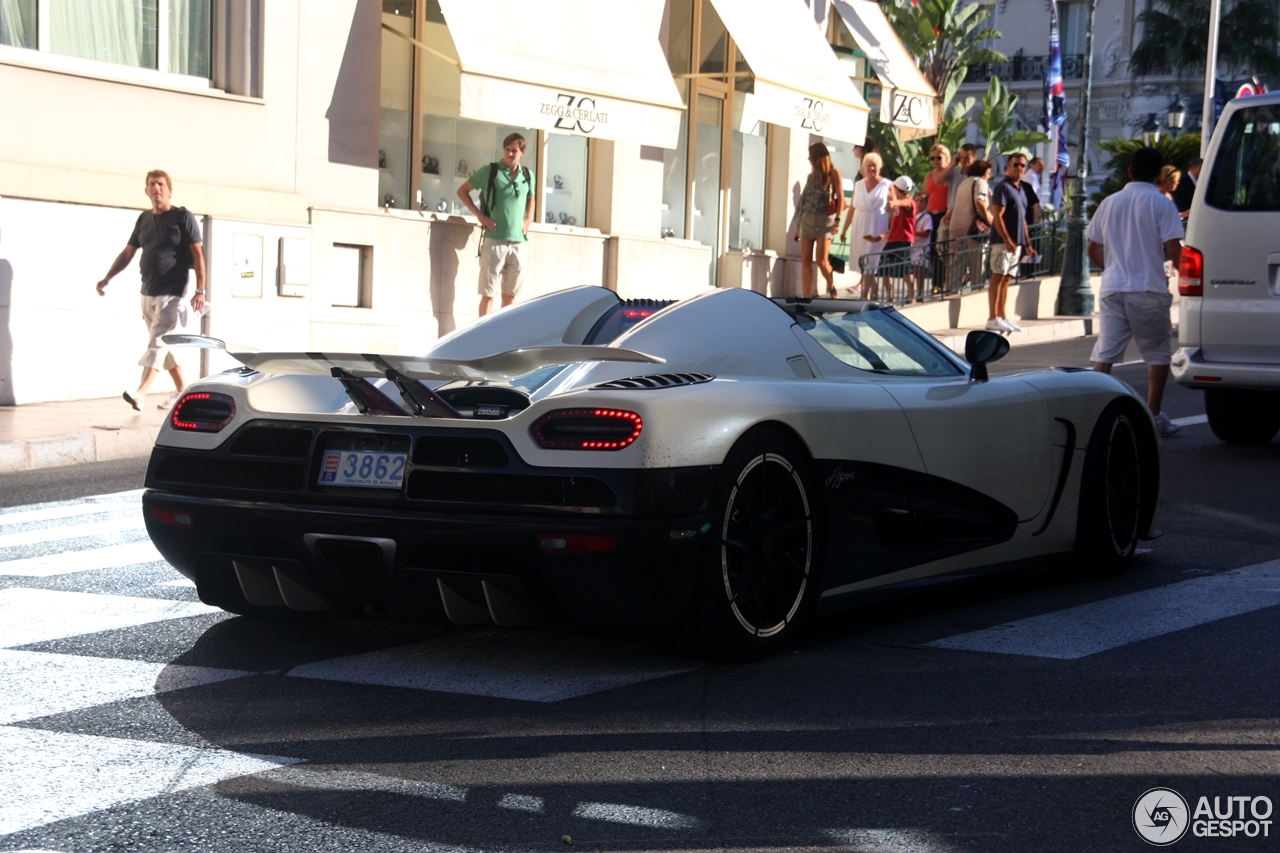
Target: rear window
<point x="1246" y="175"/>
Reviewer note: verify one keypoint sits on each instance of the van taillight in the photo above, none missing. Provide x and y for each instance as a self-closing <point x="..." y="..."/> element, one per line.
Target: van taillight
<point x="587" y="429"/>
<point x="1191" y="272"/>
<point x="201" y="411"/>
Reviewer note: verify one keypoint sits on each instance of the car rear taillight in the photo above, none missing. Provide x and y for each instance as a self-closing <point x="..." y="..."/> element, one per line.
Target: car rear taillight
<point x="172" y="517"/>
<point x="201" y="411"/>
<point x="587" y="429"/>
<point x="1191" y="272"/>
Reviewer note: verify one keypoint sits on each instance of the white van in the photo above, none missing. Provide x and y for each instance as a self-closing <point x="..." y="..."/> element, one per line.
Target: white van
<point x="1229" y="276"/>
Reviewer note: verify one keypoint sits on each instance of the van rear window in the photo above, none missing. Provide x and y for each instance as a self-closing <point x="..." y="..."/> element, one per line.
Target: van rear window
<point x="1246" y="174"/>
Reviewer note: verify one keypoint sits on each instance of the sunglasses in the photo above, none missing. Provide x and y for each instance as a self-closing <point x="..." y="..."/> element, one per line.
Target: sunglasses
<point x="935" y="157"/>
<point x="1017" y="165"/>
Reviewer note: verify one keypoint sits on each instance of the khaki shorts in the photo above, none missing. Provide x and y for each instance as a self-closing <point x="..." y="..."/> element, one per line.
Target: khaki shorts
<point x="1004" y="262"/>
<point x="501" y="262"/>
<point x="1143" y="317"/>
<point x="160" y="313"/>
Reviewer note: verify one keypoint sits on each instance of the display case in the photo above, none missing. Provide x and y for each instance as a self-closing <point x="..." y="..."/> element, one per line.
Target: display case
<point x="454" y="148"/>
<point x="565" y="180"/>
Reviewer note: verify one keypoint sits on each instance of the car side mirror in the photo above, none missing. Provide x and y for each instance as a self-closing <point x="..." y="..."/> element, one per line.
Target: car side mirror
<point x="982" y="348"/>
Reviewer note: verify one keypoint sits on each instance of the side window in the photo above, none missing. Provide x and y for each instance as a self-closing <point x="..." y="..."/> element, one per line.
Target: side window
<point x="1246" y="173"/>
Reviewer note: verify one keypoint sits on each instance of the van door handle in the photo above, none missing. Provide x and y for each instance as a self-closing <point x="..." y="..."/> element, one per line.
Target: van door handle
<point x="1273" y="274"/>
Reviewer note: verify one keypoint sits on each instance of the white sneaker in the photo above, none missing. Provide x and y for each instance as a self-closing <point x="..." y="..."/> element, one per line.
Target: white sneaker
<point x="995" y="324"/>
<point x="168" y="402"/>
<point x="1164" y="426"/>
<point x="1011" y="326"/>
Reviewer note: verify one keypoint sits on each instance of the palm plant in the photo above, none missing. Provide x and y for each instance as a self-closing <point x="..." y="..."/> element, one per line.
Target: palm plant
<point x="945" y="37"/>
<point x="998" y="122"/>
<point x="1175" y="39"/>
<point x="1177" y="151"/>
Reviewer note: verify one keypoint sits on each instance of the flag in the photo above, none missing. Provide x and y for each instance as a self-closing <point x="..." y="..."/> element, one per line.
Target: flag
<point x="1055" y="111"/>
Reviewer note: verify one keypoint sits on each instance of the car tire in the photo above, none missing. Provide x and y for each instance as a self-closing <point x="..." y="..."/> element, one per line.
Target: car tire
<point x="1114" y="490"/>
<point x="1242" y="417"/>
<point x="758" y="574"/>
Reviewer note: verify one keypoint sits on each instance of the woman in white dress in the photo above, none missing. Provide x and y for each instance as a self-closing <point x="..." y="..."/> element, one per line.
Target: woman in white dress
<point x="868" y="217"/>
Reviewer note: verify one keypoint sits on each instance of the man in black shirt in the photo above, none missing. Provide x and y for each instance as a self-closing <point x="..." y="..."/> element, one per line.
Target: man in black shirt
<point x="170" y="241"/>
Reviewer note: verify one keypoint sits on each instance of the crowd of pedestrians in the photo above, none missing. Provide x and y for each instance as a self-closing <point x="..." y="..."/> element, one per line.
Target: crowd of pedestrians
<point x="936" y="240"/>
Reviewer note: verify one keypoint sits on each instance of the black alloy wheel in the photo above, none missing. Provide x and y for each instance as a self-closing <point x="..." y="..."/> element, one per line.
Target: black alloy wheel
<point x="1112" y="491"/>
<point x="759" y="567"/>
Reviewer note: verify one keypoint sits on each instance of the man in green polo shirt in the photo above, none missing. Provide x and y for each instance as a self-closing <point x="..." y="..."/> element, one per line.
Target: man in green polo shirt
<point x="506" y="217"/>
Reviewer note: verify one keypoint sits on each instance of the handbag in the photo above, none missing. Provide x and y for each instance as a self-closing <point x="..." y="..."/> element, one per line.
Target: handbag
<point x="837" y="263"/>
<point x="833" y="202"/>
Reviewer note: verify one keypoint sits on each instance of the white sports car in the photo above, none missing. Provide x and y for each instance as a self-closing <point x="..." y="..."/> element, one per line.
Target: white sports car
<point x="727" y="464"/>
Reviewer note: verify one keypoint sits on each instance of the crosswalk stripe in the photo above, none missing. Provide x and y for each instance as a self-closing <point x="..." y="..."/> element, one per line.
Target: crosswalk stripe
<point x="38" y="684"/>
<point x="55" y="513"/>
<point x="65" y="562"/>
<point x="531" y="667"/>
<point x="1191" y="421"/>
<point x="51" y="776"/>
<point x="1102" y="625"/>
<point x="73" y="531"/>
<point x="39" y="615"/>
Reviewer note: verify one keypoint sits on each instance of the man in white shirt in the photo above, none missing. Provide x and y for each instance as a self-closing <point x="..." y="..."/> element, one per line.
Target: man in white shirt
<point x="1130" y="236"/>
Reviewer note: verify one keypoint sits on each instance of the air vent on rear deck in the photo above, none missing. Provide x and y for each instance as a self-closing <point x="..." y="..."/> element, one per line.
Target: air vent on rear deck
<point x="657" y="380"/>
<point x="282" y="442"/>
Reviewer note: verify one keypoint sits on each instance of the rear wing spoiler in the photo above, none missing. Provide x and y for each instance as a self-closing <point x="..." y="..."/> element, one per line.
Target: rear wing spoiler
<point x="354" y="370"/>
<point x="499" y="366"/>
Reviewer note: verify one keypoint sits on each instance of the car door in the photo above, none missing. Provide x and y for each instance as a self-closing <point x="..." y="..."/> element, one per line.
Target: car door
<point x="1234" y="230"/>
<point x="994" y="437"/>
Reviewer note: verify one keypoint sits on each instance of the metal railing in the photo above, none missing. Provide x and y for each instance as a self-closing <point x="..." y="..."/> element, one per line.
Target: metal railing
<point x="949" y="267"/>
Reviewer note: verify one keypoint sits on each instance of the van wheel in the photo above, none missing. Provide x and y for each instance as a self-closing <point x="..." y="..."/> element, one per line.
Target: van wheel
<point x="1243" y="417"/>
<point x="757" y="578"/>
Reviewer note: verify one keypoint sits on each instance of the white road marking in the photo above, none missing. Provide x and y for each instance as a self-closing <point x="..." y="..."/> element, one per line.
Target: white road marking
<point x="39" y="615"/>
<point x="635" y="816"/>
<point x="351" y="780"/>
<point x="529" y="666"/>
<point x="1190" y="421"/>
<point x="521" y="803"/>
<point x="1092" y="628"/>
<point x="51" y="776"/>
<point x="37" y="684"/>
<point x="111" y="557"/>
<point x="73" y="531"/>
<point x="75" y="510"/>
<point x="888" y="840"/>
<point x="185" y="583"/>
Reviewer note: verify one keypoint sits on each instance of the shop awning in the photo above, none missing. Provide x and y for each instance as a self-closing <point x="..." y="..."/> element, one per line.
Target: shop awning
<point x="567" y="66"/>
<point x="798" y="81"/>
<point x="908" y="101"/>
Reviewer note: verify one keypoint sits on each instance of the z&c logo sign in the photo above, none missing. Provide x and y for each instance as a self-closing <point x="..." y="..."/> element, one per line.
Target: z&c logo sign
<point x="575" y="113"/>
<point x="1160" y="816"/>
<point x="813" y="115"/>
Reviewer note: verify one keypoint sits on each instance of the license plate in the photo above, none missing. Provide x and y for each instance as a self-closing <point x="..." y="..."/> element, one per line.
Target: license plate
<point x="369" y="470"/>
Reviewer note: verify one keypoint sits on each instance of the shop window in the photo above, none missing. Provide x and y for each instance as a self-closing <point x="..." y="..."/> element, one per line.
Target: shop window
<point x="706" y="175"/>
<point x="454" y="148"/>
<point x="713" y="42"/>
<point x="675" y="169"/>
<point x="746" y="192"/>
<point x="18" y="23"/>
<point x="395" y="106"/>
<point x="218" y="40"/>
<point x="565" y="179"/>
<point x="351" y="271"/>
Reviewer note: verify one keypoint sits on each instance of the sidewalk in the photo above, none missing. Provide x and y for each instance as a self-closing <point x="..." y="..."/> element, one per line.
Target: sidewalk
<point x="50" y="435"/>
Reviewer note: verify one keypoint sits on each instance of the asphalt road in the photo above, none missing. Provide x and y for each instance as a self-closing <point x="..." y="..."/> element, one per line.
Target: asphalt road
<point x="890" y="728"/>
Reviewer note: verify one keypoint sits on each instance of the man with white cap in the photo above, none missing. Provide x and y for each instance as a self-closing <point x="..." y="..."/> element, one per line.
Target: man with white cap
<point x="896" y="259"/>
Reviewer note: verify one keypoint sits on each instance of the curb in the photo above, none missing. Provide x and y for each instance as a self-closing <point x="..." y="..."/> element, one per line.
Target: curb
<point x="1034" y="333"/>
<point x="58" y="451"/>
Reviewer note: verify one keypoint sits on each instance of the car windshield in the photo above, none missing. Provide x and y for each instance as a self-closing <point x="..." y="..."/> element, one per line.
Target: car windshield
<point x="875" y="341"/>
